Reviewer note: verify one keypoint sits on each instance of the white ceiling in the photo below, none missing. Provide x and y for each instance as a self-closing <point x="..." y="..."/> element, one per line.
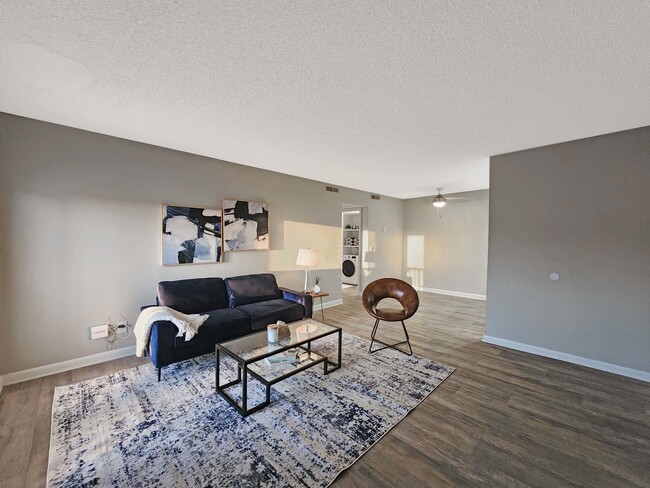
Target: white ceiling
<point x="393" y="97"/>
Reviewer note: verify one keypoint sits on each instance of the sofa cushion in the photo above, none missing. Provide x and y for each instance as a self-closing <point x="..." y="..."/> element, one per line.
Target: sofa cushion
<point x="269" y="312"/>
<point x="253" y="288"/>
<point x="221" y="325"/>
<point x="197" y="295"/>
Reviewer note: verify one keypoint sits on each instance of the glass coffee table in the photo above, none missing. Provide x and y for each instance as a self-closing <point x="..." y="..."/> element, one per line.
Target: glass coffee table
<point x="270" y="363"/>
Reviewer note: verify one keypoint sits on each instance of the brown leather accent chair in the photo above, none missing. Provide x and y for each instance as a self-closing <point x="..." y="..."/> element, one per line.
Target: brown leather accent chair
<point x="401" y="291"/>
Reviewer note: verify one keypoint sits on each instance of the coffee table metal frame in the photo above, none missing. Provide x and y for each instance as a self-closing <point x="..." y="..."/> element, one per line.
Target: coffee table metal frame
<point x="243" y="370"/>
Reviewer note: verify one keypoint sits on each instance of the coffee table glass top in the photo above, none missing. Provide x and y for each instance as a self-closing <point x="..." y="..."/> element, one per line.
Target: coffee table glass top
<point x="256" y="346"/>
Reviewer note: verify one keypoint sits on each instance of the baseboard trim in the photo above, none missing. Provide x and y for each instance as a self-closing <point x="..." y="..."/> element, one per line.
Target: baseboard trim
<point x="331" y="303"/>
<point x="461" y="294"/>
<point x="48" y="369"/>
<point x="570" y="358"/>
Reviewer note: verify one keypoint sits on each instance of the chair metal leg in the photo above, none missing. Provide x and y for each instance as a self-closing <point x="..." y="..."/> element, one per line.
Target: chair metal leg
<point x="159" y="371"/>
<point x="392" y="346"/>
<point x="372" y="335"/>
<point x="408" y="340"/>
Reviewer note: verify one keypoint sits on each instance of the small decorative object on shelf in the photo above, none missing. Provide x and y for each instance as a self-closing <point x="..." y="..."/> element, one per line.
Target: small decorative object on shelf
<point x="272" y="332"/>
<point x="283" y="330"/>
<point x="316" y="288"/>
<point x="305" y="330"/>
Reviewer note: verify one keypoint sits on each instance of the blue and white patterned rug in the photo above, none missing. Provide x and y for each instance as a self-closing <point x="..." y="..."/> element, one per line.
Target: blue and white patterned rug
<point x="126" y="429"/>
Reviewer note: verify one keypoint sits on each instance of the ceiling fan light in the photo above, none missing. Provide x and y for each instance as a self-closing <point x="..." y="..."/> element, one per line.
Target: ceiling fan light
<point x="439" y="203"/>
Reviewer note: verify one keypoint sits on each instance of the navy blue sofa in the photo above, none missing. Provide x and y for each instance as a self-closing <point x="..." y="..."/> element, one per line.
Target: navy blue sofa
<point x="236" y="306"/>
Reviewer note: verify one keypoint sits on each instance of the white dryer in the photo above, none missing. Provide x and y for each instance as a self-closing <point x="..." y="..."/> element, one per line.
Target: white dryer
<point x="350" y="269"/>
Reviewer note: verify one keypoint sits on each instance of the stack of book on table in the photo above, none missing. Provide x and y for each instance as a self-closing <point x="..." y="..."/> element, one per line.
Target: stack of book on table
<point x="292" y="356"/>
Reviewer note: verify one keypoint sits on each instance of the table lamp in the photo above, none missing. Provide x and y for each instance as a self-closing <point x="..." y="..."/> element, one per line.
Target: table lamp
<point x="309" y="259"/>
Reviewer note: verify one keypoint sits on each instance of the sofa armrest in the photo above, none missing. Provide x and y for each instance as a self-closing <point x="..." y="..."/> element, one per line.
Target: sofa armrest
<point x="304" y="299"/>
<point x="161" y="343"/>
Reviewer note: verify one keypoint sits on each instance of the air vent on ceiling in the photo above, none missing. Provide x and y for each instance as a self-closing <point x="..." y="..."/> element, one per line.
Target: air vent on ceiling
<point x="332" y="189"/>
<point x="375" y="197"/>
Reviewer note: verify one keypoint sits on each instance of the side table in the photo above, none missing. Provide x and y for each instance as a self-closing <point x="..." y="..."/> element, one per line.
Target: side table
<point x="320" y="295"/>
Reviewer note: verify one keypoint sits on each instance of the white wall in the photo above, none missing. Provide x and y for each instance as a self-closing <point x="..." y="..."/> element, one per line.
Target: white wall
<point x="580" y="209"/>
<point x="81" y="232"/>
<point x="446" y="249"/>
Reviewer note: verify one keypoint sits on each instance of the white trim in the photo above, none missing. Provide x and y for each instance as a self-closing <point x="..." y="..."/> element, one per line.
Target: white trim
<point x="452" y="293"/>
<point x="48" y="369"/>
<point x="570" y="358"/>
<point x="331" y="303"/>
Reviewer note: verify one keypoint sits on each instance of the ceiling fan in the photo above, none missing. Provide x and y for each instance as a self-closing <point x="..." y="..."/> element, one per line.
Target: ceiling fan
<point x="439" y="201"/>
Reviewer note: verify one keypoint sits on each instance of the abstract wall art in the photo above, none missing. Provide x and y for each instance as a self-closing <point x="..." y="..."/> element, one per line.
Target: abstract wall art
<point x="246" y="225"/>
<point x="191" y="235"/>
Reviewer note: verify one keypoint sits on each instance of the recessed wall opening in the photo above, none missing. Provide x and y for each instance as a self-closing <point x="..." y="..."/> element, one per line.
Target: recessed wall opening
<point x="351" y="245"/>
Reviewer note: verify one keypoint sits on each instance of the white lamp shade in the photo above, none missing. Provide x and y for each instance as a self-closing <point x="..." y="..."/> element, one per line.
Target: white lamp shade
<point x="307" y="257"/>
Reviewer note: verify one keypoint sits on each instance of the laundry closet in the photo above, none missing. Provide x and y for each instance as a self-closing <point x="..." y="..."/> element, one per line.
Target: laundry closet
<point x="351" y="246"/>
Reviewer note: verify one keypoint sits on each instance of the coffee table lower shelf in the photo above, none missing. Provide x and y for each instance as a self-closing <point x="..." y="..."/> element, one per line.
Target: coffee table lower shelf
<point x="309" y="357"/>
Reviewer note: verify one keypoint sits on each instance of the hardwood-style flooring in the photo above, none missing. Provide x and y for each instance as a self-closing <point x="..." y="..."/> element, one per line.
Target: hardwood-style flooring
<point x="503" y="418"/>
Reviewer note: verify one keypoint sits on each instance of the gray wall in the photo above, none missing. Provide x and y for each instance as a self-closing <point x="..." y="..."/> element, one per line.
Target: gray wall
<point x="81" y="232"/>
<point x="455" y="243"/>
<point x="581" y="209"/>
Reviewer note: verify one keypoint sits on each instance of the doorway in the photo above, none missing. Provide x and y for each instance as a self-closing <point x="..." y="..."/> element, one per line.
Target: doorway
<point x="351" y="246"/>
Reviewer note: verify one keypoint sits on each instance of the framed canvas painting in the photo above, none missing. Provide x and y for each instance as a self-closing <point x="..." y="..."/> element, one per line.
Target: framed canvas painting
<point x="191" y="235"/>
<point x="246" y="226"/>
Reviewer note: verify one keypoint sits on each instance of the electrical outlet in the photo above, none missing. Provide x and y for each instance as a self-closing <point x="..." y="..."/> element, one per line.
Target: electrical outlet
<point x="99" y="331"/>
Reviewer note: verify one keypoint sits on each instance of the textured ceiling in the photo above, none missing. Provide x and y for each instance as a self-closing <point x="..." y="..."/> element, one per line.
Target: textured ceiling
<point x="393" y="97"/>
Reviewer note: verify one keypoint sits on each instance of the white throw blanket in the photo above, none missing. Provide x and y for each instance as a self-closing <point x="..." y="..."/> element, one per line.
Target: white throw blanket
<point x="187" y="324"/>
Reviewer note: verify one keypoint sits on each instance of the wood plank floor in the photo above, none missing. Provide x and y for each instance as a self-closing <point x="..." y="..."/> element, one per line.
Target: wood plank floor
<point x="504" y="418"/>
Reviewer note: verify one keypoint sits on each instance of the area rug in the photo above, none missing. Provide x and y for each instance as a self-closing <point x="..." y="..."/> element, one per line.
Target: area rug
<point x="126" y="429"/>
